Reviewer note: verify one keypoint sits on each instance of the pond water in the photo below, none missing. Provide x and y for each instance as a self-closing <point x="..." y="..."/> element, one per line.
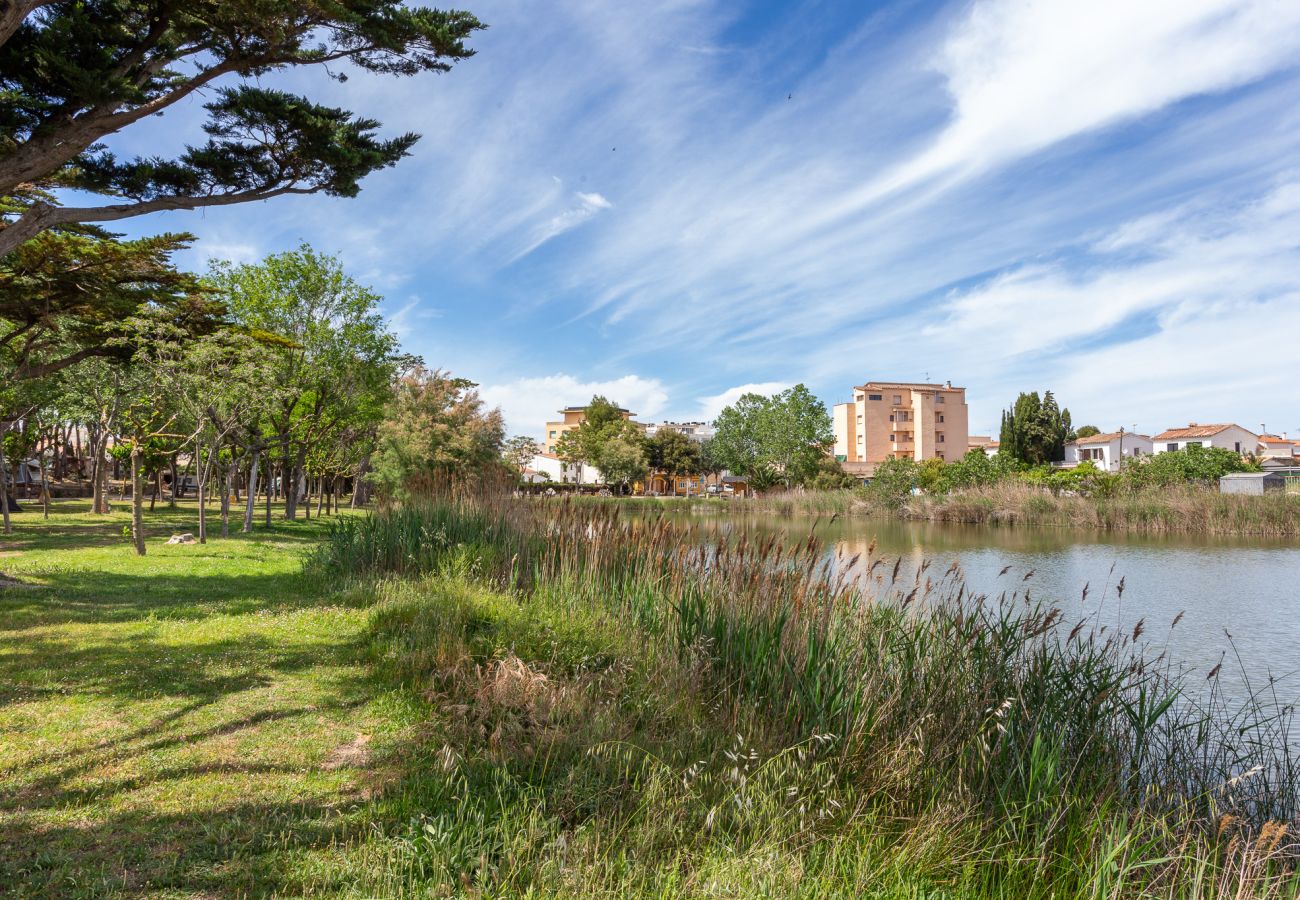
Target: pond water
<point x="1240" y="596"/>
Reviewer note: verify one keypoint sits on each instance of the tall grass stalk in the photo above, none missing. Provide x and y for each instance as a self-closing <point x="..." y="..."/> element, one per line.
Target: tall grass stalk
<point x="1066" y="756"/>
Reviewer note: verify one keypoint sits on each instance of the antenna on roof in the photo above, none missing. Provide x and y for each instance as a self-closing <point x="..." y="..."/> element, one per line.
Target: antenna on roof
<point x="927" y="376"/>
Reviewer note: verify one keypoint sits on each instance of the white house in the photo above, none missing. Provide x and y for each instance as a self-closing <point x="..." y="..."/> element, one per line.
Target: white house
<point x="555" y="469"/>
<point x="1106" y="451"/>
<point x="1225" y="436"/>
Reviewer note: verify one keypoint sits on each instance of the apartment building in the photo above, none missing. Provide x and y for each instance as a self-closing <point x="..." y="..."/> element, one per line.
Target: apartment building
<point x="696" y="431"/>
<point x="902" y="420"/>
<point x="570" y="418"/>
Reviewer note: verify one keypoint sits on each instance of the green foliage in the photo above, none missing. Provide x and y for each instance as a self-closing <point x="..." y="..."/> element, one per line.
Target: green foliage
<point x="606" y="439"/>
<point x="622" y="459"/>
<point x="780" y="439"/>
<point x="1205" y="465"/>
<point x="893" y="480"/>
<point x="518" y="452"/>
<point x="832" y="477"/>
<point x="66" y="297"/>
<point x="1085" y="431"/>
<point x="673" y="453"/>
<point x="1034" y="431"/>
<point x="436" y="432"/>
<point x="73" y="73"/>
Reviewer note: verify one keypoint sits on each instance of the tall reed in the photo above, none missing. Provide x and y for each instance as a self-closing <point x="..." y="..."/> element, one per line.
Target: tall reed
<point x="1056" y="735"/>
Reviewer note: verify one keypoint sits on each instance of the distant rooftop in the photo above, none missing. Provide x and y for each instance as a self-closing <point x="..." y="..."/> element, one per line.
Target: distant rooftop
<point x="583" y="408"/>
<point x="1194" y="430"/>
<point x="1108" y="437"/>
<point x="915" y="386"/>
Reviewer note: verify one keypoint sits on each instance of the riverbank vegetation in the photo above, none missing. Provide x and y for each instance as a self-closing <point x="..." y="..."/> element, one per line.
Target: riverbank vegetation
<point x="623" y="707"/>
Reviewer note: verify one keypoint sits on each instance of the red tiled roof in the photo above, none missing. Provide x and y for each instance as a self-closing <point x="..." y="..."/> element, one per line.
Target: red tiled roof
<point x="1195" y="431"/>
<point x="1107" y="438"/>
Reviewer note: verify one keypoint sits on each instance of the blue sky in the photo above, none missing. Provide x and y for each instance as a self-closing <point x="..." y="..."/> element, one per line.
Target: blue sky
<point x="671" y="202"/>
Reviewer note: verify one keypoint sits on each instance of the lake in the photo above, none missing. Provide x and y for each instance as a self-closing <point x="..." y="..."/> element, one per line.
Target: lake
<point x="1246" y="587"/>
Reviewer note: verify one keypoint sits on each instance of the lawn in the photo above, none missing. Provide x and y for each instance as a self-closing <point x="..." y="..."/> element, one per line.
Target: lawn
<point x="191" y="722"/>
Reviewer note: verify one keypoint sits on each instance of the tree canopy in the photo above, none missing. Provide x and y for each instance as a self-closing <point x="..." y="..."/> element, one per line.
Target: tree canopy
<point x="1034" y="430"/>
<point x="778" y="439"/>
<point x="73" y="72"/>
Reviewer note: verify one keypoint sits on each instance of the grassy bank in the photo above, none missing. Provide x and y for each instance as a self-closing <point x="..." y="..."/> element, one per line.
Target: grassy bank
<point x="1189" y="509"/>
<point x="545" y="700"/>
<point x="613" y="708"/>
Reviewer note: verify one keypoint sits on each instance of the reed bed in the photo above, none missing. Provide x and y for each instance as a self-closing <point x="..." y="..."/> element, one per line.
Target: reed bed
<point x="984" y="743"/>
<point x="1187" y="509"/>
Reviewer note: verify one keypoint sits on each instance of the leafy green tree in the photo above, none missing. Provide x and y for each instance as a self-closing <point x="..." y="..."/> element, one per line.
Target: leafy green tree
<point x="334" y="359"/>
<point x="73" y="72"/>
<point x="436" y="432"/>
<point x="1034" y="430"/>
<point x="518" y="452"/>
<point x="673" y="454"/>
<point x="602" y="422"/>
<point x="893" y="480"/>
<point x="832" y="477"/>
<point x="774" y="440"/>
<point x="622" y="460"/>
<point x="1086" y="431"/>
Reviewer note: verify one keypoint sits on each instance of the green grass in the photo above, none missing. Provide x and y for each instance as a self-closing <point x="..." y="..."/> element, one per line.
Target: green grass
<point x="169" y="721"/>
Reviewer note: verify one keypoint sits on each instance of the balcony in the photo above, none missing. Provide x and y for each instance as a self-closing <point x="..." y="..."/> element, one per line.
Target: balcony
<point x="906" y="425"/>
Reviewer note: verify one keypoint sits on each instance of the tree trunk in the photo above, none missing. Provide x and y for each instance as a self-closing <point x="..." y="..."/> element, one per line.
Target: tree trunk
<point x="320" y="493"/>
<point x="252" y="492"/>
<point x="137" y="503"/>
<point x="270" y="485"/>
<point x="200" y="482"/>
<point x="360" y="490"/>
<point x="100" y="475"/>
<point x="157" y="489"/>
<point x="175" y="482"/>
<point x="231" y="472"/>
<point x="4" y="487"/>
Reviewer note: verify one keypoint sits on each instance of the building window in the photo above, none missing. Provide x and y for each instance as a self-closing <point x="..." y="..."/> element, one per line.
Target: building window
<point x="891" y="438"/>
<point x="938" y="399"/>
<point x="1237" y="446"/>
<point x="939" y="456"/>
<point x="552" y="434"/>
<point x="941" y="439"/>
<point x="873" y="397"/>
<point x="940" y="418"/>
<point x="898" y="400"/>
<point x="1171" y="447"/>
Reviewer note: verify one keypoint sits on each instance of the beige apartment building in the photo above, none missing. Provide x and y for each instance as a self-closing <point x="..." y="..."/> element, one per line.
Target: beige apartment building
<point x="901" y="420"/>
<point x="571" y="418"/>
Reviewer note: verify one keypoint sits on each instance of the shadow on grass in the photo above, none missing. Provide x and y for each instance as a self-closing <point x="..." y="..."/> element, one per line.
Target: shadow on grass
<point x="74" y="596"/>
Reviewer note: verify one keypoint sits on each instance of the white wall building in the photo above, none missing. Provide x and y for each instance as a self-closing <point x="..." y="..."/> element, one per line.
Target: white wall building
<point x="696" y="431"/>
<point x="1272" y="446"/>
<point x="1225" y="436"/>
<point x="556" y="469"/>
<point x="1106" y="451"/>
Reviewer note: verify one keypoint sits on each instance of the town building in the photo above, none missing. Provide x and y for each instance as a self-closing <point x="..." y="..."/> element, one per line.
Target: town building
<point x="1272" y="446"/>
<point x="983" y="442"/>
<point x="551" y="468"/>
<point x="570" y="418"/>
<point x="696" y="431"/>
<point x="900" y="420"/>
<point x="1107" y="451"/>
<point x="1225" y="436"/>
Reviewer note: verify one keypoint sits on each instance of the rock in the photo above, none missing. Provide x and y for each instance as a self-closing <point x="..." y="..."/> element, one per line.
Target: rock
<point x="186" y="538"/>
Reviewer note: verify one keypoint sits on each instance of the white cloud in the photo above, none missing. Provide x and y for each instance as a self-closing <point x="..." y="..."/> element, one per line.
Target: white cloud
<point x="528" y="403"/>
<point x="587" y="206"/>
<point x="709" y="407"/>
